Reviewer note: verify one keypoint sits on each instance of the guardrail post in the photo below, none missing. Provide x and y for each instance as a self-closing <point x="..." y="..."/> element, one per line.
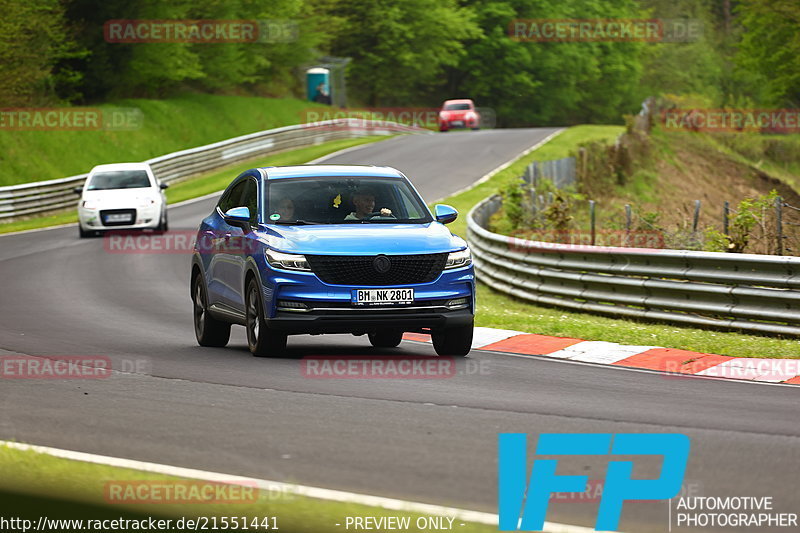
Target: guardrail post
<point x="592" y="217"/>
<point x="726" y="209"/>
<point x="779" y="224"/>
<point x="627" y="223"/>
<point x="696" y="215"/>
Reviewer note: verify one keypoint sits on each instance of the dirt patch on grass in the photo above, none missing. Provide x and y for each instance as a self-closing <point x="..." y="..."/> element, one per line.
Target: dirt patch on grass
<point x="689" y="169"/>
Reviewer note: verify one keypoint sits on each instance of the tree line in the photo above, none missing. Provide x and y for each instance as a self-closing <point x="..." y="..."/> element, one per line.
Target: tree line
<point x="410" y="53"/>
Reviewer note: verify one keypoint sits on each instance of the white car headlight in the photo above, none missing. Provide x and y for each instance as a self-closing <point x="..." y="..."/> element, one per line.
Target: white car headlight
<point x="286" y="261"/>
<point x="90" y="204"/>
<point x="458" y="259"/>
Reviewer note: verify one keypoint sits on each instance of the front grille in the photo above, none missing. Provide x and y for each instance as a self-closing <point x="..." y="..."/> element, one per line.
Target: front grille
<point x="129" y="213"/>
<point x="361" y="269"/>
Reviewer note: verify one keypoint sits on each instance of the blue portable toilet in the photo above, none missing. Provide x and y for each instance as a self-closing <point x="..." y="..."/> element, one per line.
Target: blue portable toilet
<point x="318" y="80"/>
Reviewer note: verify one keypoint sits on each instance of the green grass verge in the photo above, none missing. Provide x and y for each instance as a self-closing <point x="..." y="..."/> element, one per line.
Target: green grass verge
<point x="497" y="310"/>
<point x="167" y="126"/>
<point x="207" y="183"/>
<point x="35" y="484"/>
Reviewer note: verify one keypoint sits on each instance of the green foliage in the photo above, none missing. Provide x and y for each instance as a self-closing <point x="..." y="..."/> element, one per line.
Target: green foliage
<point x="557" y="214"/>
<point x="716" y="241"/>
<point x="547" y="83"/>
<point x="400" y="48"/>
<point x="512" y="203"/>
<point x="411" y="53"/>
<point x="770" y="47"/>
<point x="749" y="213"/>
<point x="33" y="39"/>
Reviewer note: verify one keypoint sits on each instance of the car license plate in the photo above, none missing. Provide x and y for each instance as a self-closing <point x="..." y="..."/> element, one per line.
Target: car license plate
<point x="457" y="123"/>
<point x="382" y="296"/>
<point x="122" y="217"/>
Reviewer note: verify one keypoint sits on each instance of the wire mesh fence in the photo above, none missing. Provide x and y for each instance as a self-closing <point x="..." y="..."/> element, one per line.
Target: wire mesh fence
<point x="544" y="206"/>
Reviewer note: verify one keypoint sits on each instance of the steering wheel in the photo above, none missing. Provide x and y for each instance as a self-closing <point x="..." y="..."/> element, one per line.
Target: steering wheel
<point x="379" y="214"/>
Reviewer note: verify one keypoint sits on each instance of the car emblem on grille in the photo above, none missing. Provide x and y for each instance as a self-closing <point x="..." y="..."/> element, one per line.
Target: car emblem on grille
<point x="381" y="264"/>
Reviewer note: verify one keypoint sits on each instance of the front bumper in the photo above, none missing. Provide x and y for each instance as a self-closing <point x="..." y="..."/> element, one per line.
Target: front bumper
<point x="145" y="218"/>
<point x="364" y="321"/>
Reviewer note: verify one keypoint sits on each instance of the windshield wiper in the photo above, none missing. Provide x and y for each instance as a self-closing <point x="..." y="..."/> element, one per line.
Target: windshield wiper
<point x="295" y="222"/>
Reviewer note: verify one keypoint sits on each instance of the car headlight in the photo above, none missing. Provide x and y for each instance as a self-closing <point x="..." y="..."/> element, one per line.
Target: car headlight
<point x="458" y="259"/>
<point x="90" y="204"/>
<point x="286" y="261"/>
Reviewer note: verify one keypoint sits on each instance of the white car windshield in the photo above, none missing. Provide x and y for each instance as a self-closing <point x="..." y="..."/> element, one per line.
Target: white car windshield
<point x="119" y="179"/>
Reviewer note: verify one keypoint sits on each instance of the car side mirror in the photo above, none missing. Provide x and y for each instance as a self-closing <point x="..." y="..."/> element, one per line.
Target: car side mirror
<point x="163" y="186"/>
<point x="237" y="216"/>
<point x="78" y="190"/>
<point x="444" y="213"/>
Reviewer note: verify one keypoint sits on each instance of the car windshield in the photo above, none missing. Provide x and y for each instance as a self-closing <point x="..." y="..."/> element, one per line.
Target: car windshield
<point x="119" y="179"/>
<point x="456" y="107"/>
<point x="356" y="200"/>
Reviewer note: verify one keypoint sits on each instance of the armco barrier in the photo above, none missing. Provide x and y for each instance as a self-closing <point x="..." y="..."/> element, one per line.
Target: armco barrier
<point x="732" y="291"/>
<point x="45" y="196"/>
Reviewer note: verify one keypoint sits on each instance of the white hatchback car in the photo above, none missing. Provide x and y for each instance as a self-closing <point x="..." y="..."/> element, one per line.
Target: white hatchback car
<point x="121" y="196"/>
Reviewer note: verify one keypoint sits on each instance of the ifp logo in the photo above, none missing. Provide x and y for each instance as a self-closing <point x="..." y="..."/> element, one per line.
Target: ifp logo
<point x="523" y="506"/>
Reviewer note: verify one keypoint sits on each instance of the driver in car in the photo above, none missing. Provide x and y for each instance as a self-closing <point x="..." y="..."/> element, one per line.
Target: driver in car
<point x="364" y="202"/>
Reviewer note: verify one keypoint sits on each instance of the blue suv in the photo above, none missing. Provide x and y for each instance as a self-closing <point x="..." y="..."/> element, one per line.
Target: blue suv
<point x="318" y="249"/>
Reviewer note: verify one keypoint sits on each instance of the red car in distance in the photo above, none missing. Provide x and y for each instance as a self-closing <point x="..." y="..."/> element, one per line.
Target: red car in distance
<point x="459" y="114"/>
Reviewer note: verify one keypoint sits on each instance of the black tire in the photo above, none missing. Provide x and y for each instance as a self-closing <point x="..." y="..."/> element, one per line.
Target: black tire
<point x="262" y="341"/>
<point x="208" y="330"/>
<point x="163" y="226"/>
<point x="387" y="338"/>
<point x="83" y="234"/>
<point x="453" y="341"/>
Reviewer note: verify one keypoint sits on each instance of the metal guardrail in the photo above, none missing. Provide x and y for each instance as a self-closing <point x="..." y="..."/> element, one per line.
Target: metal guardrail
<point x="562" y="172"/>
<point x="46" y="196"/>
<point x="731" y="291"/>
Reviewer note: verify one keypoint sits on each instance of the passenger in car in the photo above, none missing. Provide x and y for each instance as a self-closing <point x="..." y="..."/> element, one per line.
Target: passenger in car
<point x="285" y="208"/>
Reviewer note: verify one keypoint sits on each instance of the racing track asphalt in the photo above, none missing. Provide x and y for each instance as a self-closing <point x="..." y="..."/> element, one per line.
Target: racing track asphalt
<point x="428" y="440"/>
